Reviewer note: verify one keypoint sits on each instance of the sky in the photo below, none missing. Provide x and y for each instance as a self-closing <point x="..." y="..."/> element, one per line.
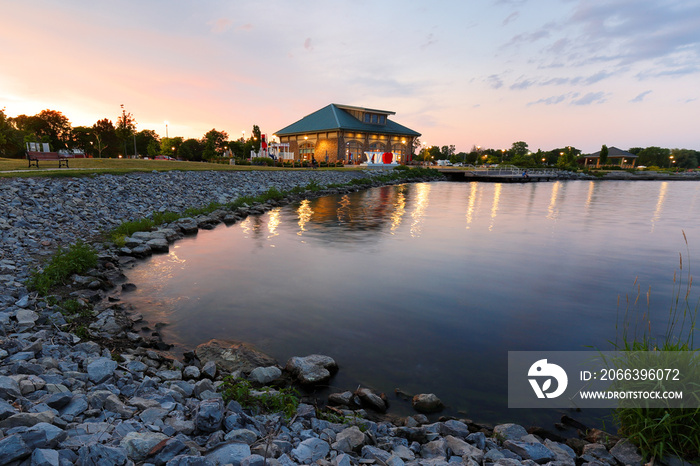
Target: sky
<point x="552" y="73"/>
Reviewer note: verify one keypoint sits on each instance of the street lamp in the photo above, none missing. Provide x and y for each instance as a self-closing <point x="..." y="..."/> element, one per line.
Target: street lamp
<point x="670" y="161"/>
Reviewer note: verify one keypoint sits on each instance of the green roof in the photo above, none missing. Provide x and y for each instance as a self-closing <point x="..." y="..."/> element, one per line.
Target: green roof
<point x="333" y="117"/>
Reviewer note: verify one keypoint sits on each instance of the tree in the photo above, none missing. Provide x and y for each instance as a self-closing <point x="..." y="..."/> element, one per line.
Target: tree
<point x="81" y="137"/>
<point x="144" y="139"/>
<point x="256" y="138"/>
<point x="126" y="127"/>
<point x="170" y="146"/>
<point x="216" y="142"/>
<point x="237" y="148"/>
<point x="654" y="156"/>
<point x="603" y="155"/>
<point x="191" y="149"/>
<point x="11" y="139"/>
<point x="519" y="148"/>
<point x="686" y="158"/>
<point x="106" y="140"/>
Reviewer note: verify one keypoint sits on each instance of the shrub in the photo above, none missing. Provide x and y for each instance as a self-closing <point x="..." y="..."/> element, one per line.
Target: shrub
<point x="77" y="259"/>
<point x="265" y="400"/>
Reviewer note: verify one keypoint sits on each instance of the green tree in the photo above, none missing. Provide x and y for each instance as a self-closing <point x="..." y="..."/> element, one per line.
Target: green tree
<point x="686" y="158"/>
<point x="153" y="148"/>
<point x="215" y="142"/>
<point x="144" y="139"/>
<point x="237" y="148"/>
<point x="654" y="156"/>
<point x="11" y="139"/>
<point x="519" y="148"/>
<point x="603" y="155"/>
<point x="81" y="137"/>
<point x="256" y="138"/>
<point x="191" y="149"/>
<point x="106" y="140"/>
<point x="170" y="146"/>
<point x="126" y="127"/>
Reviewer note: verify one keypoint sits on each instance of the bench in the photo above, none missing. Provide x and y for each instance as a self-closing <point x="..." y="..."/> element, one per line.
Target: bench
<point x="35" y="156"/>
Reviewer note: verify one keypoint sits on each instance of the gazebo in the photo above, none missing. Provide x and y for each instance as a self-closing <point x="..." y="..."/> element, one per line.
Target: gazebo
<point x="616" y="156"/>
<point x="349" y="134"/>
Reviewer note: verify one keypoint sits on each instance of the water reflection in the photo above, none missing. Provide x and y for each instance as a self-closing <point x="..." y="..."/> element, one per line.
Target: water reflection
<point x="423" y="286"/>
<point x="659" y="205"/>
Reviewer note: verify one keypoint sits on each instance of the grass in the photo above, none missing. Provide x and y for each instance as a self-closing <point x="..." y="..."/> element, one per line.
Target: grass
<point x="76" y="259"/>
<point x="664" y="431"/>
<point x="85" y="167"/>
<point x="264" y="400"/>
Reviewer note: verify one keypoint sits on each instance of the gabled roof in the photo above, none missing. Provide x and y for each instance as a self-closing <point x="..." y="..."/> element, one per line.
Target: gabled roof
<point x="614" y="152"/>
<point x="334" y="117"/>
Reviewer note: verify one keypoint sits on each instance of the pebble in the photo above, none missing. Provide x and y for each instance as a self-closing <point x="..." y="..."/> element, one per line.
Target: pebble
<point x="67" y="400"/>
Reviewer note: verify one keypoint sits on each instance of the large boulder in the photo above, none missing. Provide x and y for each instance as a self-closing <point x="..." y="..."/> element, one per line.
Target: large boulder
<point x="232" y="356"/>
<point x="312" y="369"/>
<point x="427" y="403"/>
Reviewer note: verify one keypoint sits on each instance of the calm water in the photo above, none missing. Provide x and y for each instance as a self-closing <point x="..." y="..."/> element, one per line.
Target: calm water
<point x="426" y="287"/>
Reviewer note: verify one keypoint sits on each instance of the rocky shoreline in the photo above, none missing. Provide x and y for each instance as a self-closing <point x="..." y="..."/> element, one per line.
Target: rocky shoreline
<point x="114" y="398"/>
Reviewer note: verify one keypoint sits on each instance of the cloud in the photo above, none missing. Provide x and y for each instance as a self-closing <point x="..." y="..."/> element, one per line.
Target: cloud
<point x="430" y="40"/>
<point x="590" y="98"/>
<point x="641" y="96"/>
<point x="307" y="44"/>
<point x="220" y="25"/>
<point x="557" y="99"/>
<point x="523" y="84"/>
<point x="494" y="81"/>
<point x="511" y="17"/>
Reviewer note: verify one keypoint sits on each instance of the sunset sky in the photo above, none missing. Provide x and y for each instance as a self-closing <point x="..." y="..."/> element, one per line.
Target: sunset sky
<point x="624" y="73"/>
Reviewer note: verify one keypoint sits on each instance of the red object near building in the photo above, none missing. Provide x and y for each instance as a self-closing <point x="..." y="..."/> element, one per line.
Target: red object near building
<point x="387" y="157"/>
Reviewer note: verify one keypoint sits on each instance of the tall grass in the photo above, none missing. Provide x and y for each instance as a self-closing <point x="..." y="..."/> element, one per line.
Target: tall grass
<point x="664" y="431"/>
<point x="76" y="259"/>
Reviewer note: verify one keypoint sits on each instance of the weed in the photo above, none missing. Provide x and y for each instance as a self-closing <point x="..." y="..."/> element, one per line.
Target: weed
<point x="662" y="431"/>
<point x="77" y="259"/>
<point x="73" y="307"/>
<point x="265" y="400"/>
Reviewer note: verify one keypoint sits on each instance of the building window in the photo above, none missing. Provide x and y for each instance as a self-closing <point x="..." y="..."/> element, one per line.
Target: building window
<point x="367" y="117"/>
<point x="382" y="119"/>
<point x="374" y="118"/>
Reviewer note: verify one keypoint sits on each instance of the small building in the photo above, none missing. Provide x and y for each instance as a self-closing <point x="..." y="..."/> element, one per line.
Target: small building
<point x="616" y="156"/>
<point x="348" y="134"/>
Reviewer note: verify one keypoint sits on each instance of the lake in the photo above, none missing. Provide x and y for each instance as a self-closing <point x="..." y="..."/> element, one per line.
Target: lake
<point x="426" y="287"/>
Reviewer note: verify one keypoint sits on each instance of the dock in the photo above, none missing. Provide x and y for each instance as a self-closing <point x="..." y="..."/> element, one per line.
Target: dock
<point x="501" y="174"/>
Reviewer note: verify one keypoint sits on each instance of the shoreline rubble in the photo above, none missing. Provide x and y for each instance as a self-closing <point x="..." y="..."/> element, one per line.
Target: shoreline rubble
<point x="68" y="400"/>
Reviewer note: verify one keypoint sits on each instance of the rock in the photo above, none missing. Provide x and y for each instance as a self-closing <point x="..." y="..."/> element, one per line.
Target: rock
<point x="312" y="369"/>
<point x="158" y="245"/>
<point x="427" y="403"/>
<point x="45" y="457"/>
<point x="232" y="356"/>
<point x="530" y="451"/>
<point x="241" y="436"/>
<point x="265" y="375"/>
<point x="98" y="455"/>
<point x="101" y="369"/>
<point x="626" y="453"/>
<point x="461" y="448"/>
<point x="373" y="453"/>
<point x="13" y="448"/>
<point x="371" y="400"/>
<point x="310" y="450"/>
<point x="9" y="388"/>
<point x="191" y="372"/>
<point x="454" y="428"/>
<point x="231" y="453"/>
<point x="139" y="444"/>
<point x="210" y="414"/>
<point x="349" y="439"/>
<point x="509" y="432"/>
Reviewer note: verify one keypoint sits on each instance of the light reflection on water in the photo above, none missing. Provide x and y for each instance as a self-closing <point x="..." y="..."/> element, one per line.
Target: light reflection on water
<point x="427" y="286"/>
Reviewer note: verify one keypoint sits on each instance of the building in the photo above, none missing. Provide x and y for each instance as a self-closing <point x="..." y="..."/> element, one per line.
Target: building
<point x="348" y="134"/>
<point x="616" y="156"/>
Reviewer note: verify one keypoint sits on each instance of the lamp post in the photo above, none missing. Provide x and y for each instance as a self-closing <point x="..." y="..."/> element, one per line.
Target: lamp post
<point x="670" y="161"/>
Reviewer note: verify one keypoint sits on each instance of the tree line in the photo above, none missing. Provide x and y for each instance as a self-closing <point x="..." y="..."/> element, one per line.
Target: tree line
<point x="563" y="157"/>
<point x="110" y="140"/>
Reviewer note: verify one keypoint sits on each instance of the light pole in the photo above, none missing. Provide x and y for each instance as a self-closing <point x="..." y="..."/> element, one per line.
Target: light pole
<point x="670" y="161"/>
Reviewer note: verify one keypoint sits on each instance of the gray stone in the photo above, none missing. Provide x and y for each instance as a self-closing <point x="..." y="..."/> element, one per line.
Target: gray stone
<point x="209" y="369"/>
<point x="531" y="451"/>
<point x="427" y="403"/>
<point x="454" y="428"/>
<point x="9" y="388"/>
<point x="311" y="450"/>
<point x="231" y="453"/>
<point x="349" y="439"/>
<point x="371" y="400"/>
<point x="138" y="444"/>
<point x="27" y="419"/>
<point x="189" y="460"/>
<point x="461" y="448"/>
<point x="210" y="414"/>
<point x="168" y="450"/>
<point x="232" y="356"/>
<point x="312" y="369"/>
<point x="253" y="460"/>
<point x="101" y="369"/>
<point x="373" y="453"/>
<point x="96" y="454"/>
<point x="191" y="372"/>
<point x="509" y="432"/>
<point x="158" y="245"/>
<point x="265" y="375"/>
<point x="13" y="448"/>
<point x="45" y="457"/>
<point x="241" y="436"/>
<point x="626" y="453"/>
